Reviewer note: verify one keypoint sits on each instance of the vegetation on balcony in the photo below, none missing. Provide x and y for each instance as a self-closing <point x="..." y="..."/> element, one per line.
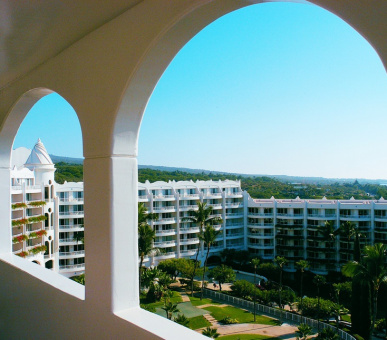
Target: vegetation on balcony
<point x="36" y="234"/>
<point x="19" y="205"/>
<point x="37" y="203"/>
<point x="20" y="238"/>
<point x="22" y="254"/>
<point x="19" y="222"/>
<point x="37" y="250"/>
<point x="36" y="219"/>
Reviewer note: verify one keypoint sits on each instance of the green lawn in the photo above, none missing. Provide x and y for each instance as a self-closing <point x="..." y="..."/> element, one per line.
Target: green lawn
<point x="246" y="337"/>
<point x="241" y="315"/>
<point x="198" y="322"/>
<point x="197" y="302"/>
<point x="175" y="299"/>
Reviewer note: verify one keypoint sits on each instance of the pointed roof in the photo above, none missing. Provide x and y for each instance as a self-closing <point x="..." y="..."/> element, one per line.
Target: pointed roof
<point x="39" y="155"/>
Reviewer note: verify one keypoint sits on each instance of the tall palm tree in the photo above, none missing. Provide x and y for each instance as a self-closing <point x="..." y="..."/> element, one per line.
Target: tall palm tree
<point x="280" y="262"/>
<point x="302" y="265"/>
<point x="371" y="269"/>
<point x="146" y="235"/>
<point x="208" y="236"/>
<point x="201" y="217"/>
<point x="319" y="280"/>
<point x="328" y="232"/>
<point x="255" y="262"/>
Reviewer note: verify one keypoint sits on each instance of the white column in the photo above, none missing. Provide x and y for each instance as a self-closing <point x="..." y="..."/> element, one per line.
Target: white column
<point x="111" y="232"/>
<point x="5" y="211"/>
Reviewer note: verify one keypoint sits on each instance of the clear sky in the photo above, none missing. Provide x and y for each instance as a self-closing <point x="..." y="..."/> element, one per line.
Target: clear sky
<point x="279" y="88"/>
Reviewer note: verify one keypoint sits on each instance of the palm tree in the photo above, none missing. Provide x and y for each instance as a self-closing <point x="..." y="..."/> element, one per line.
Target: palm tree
<point x="328" y="232"/>
<point x="170" y="308"/>
<point x="318" y="280"/>
<point x="255" y="262"/>
<point x="208" y="236"/>
<point x="181" y="319"/>
<point x="371" y="269"/>
<point x="146" y="235"/>
<point x="302" y="265"/>
<point x="347" y="231"/>
<point x="201" y="217"/>
<point x="211" y="332"/>
<point x="327" y="334"/>
<point x="304" y="331"/>
<point x="280" y="262"/>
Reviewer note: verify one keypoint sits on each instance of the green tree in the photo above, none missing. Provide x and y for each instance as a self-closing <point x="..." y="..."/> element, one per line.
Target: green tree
<point x="327" y="334"/>
<point x="303" y="331"/>
<point x="319" y="280"/>
<point x="181" y="319"/>
<point x="170" y="266"/>
<point x="211" y="332"/>
<point x="302" y="265"/>
<point x="255" y="262"/>
<point x="170" y="308"/>
<point x="189" y="269"/>
<point x="222" y="274"/>
<point x="280" y="262"/>
<point x="146" y="235"/>
<point x="328" y="232"/>
<point x="208" y="237"/>
<point x="243" y="289"/>
<point x="371" y="269"/>
<point x="203" y="216"/>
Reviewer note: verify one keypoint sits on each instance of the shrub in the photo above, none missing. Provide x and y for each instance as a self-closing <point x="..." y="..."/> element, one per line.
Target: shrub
<point x="18" y="205"/>
<point x="37" y="203"/>
<point x="228" y="320"/>
<point x="149" y="308"/>
<point x="380" y="325"/>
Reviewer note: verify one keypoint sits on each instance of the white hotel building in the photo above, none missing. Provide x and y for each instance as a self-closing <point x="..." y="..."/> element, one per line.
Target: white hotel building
<point x="265" y="227"/>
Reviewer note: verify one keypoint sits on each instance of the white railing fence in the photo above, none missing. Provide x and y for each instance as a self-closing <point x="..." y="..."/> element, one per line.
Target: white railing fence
<point x="274" y="312"/>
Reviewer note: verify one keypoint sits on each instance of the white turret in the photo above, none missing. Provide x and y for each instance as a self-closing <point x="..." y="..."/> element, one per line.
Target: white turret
<point x="40" y="162"/>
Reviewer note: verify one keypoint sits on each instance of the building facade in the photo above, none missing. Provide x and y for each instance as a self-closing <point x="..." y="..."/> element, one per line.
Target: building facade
<point x="48" y="221"/>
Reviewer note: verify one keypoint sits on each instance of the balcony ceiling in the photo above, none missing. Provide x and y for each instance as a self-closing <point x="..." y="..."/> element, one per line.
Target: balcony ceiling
<point x="31" y="32"/>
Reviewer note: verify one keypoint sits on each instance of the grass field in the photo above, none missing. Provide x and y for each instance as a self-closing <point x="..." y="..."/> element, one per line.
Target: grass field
<point x="198" y="322"/>
<point x="175" y="299"/>
<point x="246" y="337"/>
<point x="241" y="315"/>
<point x="197" y="302"/>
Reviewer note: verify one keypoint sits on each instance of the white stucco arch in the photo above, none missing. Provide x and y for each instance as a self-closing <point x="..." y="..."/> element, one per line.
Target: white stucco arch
<point x="108" y="75"/>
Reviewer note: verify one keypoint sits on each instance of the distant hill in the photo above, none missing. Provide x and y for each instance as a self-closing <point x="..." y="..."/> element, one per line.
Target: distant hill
<point x="69" y="160"/>
<point x="282" y="178"/>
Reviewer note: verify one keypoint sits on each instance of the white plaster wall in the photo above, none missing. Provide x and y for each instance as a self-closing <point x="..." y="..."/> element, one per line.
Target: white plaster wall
<point x="107" y="77"/>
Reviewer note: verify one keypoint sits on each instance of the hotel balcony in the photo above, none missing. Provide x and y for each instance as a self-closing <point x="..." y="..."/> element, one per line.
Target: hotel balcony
<point x="234" y="205"/>
<point x="234" y="215"/>
<point x="188" y="207"/>
<point x="355" y="217"/>
<point x="168" y="220"/>
<point x="322" y="217"/>
<point x="70" y="201"/>
<point x="234" y="194"/>
<point x="287" y="216"/>
<point x="164" y="208"/>
<point x="69" y="228"/>
<point x="72" y="267"/>
<point x="167" y="232"/>
<point x="189" y="241"/>
<point x="189" y="252"/>
<point x="161" y="197"/>
<point x="184" y="230"/>
<point x="71" y="214"/>
<point x="72" y="254"/>
<point x="165" y="244"/>
<point x="261" y="236"/>
<point x="165" y="256"/>
<point x="381" y="218"/>
<point x="234" y="236"/>
<point x="264" y="215"/>
<point x="143" y="198"/>
<point x="260" y="246"/>
<point x="234" y="225"/>
<point x="212" y="195"/>
<point x="68" y="241"/>
<point x="189" y="196"/>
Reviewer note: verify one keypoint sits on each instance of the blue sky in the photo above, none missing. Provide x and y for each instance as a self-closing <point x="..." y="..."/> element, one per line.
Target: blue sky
<point x="274" y="88"/>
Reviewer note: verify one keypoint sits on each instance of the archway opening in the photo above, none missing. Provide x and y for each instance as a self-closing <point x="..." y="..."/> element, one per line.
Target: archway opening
<point x="47" y="187"/>
<point x="304" y="105"/>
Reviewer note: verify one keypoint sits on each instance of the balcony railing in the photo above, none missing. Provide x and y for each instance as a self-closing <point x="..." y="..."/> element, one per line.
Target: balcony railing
<point x="163" y="196"/>
<point x="168" y="231"/>
<point x="72" y="266"/>
<point x="71" y="226"/>
<point x="65" y="213"/>
<point x="78" y="252"/>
